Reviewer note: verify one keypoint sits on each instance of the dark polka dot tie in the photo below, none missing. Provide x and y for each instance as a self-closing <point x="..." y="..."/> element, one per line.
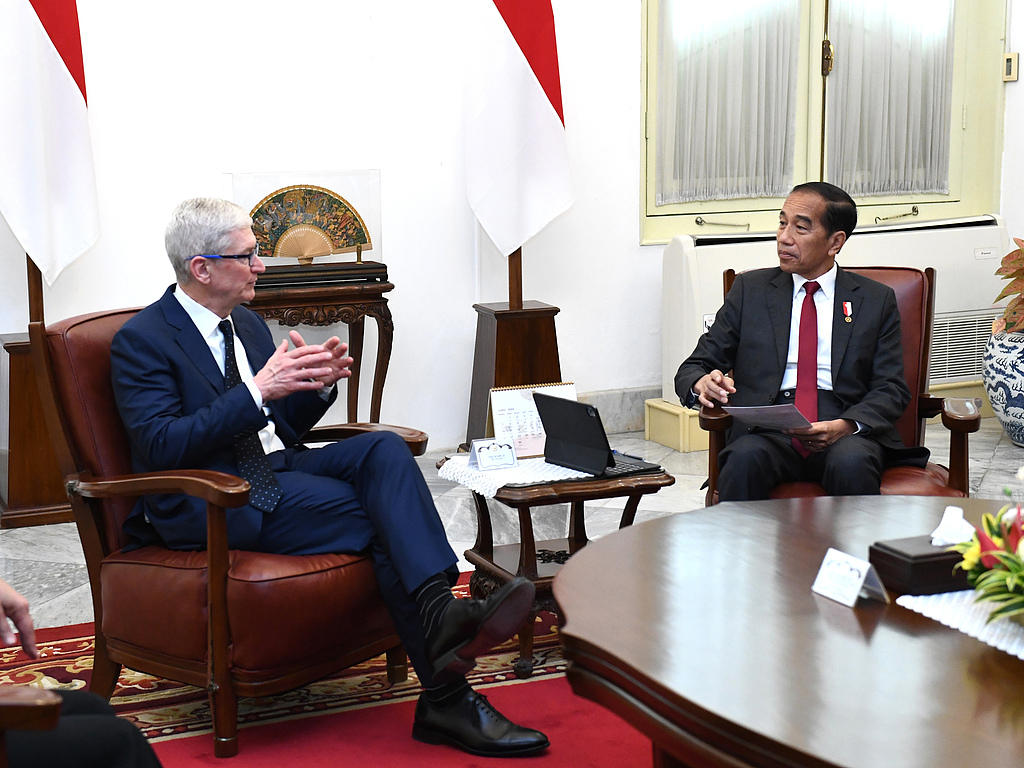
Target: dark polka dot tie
<point x="253" y="464"/>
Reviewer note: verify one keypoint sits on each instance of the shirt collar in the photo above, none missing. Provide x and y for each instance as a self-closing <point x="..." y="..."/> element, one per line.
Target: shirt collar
<point x="827" y="282"/>
<point x="206" y="320"/>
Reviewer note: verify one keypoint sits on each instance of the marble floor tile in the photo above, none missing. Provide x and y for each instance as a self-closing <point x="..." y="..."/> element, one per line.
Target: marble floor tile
<point x="40" y="581"/>
<point x="46" y="563"/>
<point x="57" y="543"/>
<point x="72" y="607"/>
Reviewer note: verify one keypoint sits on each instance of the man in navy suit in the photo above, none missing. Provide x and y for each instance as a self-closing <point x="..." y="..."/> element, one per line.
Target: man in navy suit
<point x="200" y="384"/>
<point x="860" y="387"/>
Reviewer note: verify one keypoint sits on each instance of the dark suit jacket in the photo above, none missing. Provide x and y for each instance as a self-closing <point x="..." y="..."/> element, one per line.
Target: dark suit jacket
<point x="750" y="337"/>
<point x="178" y="414"/>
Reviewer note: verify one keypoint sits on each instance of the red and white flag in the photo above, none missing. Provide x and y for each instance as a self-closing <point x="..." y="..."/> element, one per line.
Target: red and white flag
<point x="47" y="180"/>
<point x="517" y="162"/>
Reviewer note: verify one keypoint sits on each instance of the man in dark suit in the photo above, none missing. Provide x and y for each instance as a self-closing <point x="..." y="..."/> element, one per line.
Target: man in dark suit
<point x="200" y="384"/>
<point x="855" y="374"/>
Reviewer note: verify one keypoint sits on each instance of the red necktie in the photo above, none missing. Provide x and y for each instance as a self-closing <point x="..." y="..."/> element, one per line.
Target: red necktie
<point x="807" y="362"/>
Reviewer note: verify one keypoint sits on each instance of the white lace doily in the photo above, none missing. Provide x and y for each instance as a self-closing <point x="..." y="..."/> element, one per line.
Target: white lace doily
<point x="487" y="482"/>
<point x="959" y="611"/>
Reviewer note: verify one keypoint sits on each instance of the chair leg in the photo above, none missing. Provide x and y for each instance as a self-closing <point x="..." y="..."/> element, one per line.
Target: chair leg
<point x="105" y="671"/>
<point x="523" y="666"/>
<point x="224" y="709"/>
<point x="397" y="665"/>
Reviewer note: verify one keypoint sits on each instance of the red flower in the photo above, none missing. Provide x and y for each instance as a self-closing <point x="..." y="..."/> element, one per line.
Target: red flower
<point x="1013" y="533"/>
<point x="988" y="545"/>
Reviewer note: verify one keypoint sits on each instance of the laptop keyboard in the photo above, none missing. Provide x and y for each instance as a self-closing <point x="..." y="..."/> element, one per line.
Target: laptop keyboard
<point x="628" y="466"/>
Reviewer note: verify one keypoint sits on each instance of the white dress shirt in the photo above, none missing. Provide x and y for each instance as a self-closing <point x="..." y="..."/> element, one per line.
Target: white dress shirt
<point x="206" y="321"/>
<point x="824" y="303"/>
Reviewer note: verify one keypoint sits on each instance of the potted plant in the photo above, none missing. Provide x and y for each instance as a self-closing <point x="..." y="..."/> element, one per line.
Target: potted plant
<point x="1003" y="362"/>
<point x="994" y="561"/>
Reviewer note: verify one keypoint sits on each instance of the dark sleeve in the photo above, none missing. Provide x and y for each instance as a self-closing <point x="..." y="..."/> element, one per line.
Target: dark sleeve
<point x="886" y="394"/>
<point x="716" y="348"/>
<point x="168" y="430"/>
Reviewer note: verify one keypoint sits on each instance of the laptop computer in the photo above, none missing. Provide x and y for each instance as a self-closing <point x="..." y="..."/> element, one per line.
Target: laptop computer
<point x="575" y="438"/>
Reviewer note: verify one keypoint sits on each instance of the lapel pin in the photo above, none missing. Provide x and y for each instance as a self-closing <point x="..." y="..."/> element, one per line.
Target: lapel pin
<point x="848" y="311"/>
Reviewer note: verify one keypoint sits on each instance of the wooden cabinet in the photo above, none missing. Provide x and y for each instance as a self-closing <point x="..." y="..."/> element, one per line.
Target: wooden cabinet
<point x="32" y="491"/>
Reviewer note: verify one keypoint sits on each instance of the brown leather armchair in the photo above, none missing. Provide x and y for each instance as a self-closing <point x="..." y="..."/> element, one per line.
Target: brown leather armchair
<point x="915" y="297"/>
<point x="235" y="623"/>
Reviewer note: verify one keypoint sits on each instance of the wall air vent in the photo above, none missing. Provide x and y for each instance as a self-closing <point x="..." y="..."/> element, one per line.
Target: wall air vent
<point x="958" y="344"/>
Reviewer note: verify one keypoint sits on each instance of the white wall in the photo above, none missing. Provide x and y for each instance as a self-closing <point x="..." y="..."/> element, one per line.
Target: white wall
<point x="182" y="94"/>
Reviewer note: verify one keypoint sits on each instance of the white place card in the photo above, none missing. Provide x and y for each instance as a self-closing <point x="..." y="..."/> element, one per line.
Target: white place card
<point x="844" y="578"/>
<point x="491" y="453"/>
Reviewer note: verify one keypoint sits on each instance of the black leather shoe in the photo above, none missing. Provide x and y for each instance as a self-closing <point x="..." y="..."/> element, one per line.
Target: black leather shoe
<point x="472" y="627"/>
<point x="474" y="726"/>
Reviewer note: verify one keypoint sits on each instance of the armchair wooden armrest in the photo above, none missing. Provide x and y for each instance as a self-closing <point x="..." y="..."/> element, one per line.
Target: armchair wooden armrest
<point x="714" y="419"/>
<point x="217" y="488"/>
<point x="961" y="416"/>
<point x="716" y="422"/>
<point x="414" y="438"/>
<point x="26" y="708"/>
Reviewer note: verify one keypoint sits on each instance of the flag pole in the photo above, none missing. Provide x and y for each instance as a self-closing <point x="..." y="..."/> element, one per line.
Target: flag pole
<point x="515" y="279"/>
<point x="516" y="346"/>
<point x="35" y="291"/>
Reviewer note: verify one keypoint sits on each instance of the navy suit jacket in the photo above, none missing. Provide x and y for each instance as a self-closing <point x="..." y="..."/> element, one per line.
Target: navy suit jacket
<point x="750" y="337"/>
<point x="179" y="415"/>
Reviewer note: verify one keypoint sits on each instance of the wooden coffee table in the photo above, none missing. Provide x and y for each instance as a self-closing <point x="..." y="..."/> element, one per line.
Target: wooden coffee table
<point x="702" y="631"/>
<point x="539" y="561"/>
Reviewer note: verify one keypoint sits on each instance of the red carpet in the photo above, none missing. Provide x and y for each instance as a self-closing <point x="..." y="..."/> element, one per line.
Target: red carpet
<point x="582" y="735"/>
<point x="352" y="719"/>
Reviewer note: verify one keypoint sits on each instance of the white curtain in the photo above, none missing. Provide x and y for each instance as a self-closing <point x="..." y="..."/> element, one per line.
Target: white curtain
<point x="889" y="96"/>
<point x="726" y="99"/>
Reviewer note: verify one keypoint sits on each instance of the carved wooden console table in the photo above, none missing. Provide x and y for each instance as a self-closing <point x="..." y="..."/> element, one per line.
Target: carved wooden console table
<point x="335" y="293"/>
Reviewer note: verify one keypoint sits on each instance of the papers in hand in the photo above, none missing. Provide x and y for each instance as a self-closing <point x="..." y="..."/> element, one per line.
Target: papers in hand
<point x="776" y="417"/>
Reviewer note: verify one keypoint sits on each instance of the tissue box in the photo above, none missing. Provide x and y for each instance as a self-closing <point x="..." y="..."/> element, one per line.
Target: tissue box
<point x="912" y="566"/>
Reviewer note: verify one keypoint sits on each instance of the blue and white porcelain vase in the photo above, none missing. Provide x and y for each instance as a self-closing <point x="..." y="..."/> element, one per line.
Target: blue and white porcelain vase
<point x="1003" y="371"/>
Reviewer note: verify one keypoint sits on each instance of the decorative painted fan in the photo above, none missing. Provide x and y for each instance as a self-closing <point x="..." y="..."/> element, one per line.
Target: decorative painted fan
<point x="305" y="222"/>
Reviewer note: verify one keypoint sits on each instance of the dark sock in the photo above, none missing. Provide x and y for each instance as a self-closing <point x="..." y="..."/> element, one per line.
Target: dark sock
<point x="433" y="598"/>
<point x="449" y="694"/>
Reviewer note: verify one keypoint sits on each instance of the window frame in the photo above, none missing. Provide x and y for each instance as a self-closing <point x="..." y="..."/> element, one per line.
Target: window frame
<point x="976" y="142"/>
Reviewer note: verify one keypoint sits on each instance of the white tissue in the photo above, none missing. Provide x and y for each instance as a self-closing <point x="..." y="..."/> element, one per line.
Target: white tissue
<point x="952" y="528"/>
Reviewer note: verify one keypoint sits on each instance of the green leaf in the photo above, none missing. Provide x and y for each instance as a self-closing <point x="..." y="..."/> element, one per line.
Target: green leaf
<point x="1010" y="608"/>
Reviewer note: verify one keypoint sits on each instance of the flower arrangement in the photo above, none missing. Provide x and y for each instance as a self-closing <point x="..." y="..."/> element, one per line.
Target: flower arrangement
<point x="1012" y="268"/>
<point x="994" y="560"/>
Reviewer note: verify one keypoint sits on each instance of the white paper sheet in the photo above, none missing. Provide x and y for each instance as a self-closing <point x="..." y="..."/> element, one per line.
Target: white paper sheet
<point x="777" y="417"/>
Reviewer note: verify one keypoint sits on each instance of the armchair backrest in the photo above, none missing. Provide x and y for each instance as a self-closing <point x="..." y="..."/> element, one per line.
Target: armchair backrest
<point x="72" y="365"/>
<point x="915" y="297"/>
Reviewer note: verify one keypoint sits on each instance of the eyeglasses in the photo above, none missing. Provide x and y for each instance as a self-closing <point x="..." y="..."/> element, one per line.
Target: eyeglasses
<point x="250" y="257"/>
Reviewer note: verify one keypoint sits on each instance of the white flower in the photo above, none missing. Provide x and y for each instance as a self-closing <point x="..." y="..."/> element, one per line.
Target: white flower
<point x="1020" y="474"/>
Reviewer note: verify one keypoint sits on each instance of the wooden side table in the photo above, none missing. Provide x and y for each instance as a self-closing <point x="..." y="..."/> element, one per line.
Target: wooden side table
<point x="321" y="299"/>
<point x="539" y="561"/>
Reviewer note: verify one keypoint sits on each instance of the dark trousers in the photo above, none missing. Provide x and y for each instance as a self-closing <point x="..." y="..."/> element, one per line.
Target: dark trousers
<point x="364" y="494"/>
<point x="89" y="735"/>
<point x="752" y="465"/>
